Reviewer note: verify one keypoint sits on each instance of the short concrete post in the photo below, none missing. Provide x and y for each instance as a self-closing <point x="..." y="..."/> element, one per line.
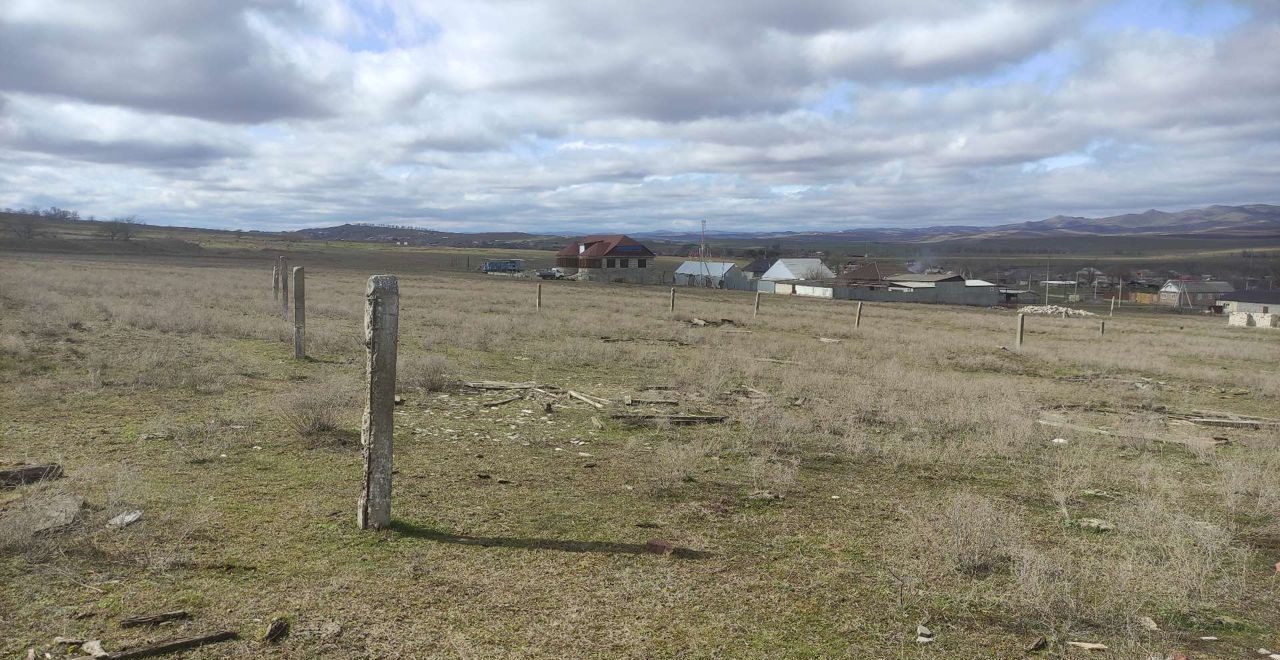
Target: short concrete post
<point x="284" y="288"/>
<point x="299" y="313"/>
<point x="1102" y="328"/>
<point x="539" y="303"/>
<point x="673" y="299"/>
<point x="755" y="310"/>
<point x="857" y="315"/>
<point x="1022" y="324"/>
<point x="381" y="321"/>
<point x="1113" y="307"/>
<point x="275" y="281"/>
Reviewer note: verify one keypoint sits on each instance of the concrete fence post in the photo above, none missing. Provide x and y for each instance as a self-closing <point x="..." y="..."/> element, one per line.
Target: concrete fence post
<point x="299" y="313"/>
<point x="539" y="303"/>
<point x="275" y="281"/>
<point x="1022" y="324"/>
<point x="857" y="315"/>
<point x="381" y="321"/>
<point x="284" y="288"/>
<point x="755" y="310"/>
<point x="673" y="299"/>
<point x="1113" y="307"/>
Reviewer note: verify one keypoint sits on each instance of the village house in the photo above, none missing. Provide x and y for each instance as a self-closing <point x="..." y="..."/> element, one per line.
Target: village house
<point x="614" y="258"/>
<point x="1257" y="301"/>
<point x="797" y="269"/>
<point x="756" y="268"/>
<point x="712" y="275"/>
<point x="1181" y="293"/>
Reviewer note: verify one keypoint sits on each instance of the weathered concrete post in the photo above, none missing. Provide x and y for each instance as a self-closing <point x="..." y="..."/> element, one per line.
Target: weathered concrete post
<point x="1113" y="307"/>
<point x="1102" y="328"/>
<point x="284" y="288"/>
<point x="275" y="281"/>
<point x="299" y="313"/>
<point x="673" y="299"/>
<point x="1022" y="323"/>
<point x="857" y="315"/>
<point x="381" y="320"/>
<point x="755" y="311"/>
<point x="539" y="305"/>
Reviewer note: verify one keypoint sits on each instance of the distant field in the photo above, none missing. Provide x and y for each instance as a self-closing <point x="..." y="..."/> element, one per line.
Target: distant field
<point x="902" y="473"/>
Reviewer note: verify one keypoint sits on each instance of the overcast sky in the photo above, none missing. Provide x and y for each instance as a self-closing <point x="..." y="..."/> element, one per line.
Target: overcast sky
<point x="635" y="115"/>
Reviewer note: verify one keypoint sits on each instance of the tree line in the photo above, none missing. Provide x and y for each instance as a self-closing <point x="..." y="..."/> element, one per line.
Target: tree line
<point x="27" y="224"/>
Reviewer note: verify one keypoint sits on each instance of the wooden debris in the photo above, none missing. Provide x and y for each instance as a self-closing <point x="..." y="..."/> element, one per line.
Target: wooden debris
<point x="585" y="398"/>
<point x="502" y="402"/>
<point x="678" y="420"/>
<point x="1088" y="646"/>
<point x="630" y="401"/>
<point x="27" y="474"/>
<point x="829" y="340"/>
<point x="658" y="387"/>
<point x="1247" y="423"/>
<point x="170" y="646"/>
<point x="738" y="332"/>
<point x="500" y="385"/>
<point x="154" y="619"/>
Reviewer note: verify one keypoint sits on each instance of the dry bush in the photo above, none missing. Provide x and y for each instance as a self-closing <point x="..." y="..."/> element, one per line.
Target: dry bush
<point x="204" y="442"/>
<point x="964" y="536"/>
<point x="315" y="411"/>
<point x="433" y="373"/>
<point x="674" y="464"/>
<point x="772" y="473"/>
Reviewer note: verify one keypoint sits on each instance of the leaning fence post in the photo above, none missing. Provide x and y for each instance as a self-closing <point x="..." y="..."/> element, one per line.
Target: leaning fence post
<point x="755" y="310"/>
<point x="673" y="299"/>
<point x="284" y="288"/>
<point x="857" y="315"/>
<point x="299" y="314"/>
<point x="1113" y="307"/>
<point x="539" y="305"/>
<point x="381" y="318"/>
<point x="275" y="281"/>
<point x="1022" y="322"/>
<point x="1102" y="328"/>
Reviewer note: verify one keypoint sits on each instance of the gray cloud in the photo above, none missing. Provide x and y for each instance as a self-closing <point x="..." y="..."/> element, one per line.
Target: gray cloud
<point x="537" y="115"/>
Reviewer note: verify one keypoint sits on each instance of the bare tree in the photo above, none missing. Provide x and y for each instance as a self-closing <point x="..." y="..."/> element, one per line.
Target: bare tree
<point x="120" y="229"/>
<point x="24" y="226"/>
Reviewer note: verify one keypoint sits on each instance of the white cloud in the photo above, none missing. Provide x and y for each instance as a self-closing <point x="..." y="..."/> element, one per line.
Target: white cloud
<point x="564" y="115"/>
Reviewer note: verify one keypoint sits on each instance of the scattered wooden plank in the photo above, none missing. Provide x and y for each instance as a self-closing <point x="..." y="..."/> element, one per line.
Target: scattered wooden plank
<point x="658" y="387"/>
<point x="630" y="401"/>
<point x="501" y="402"/>
<point x="1232" y="423"/>
<point x="171" y="646"/>
<point x="829" y="340"/>
<point x="500" y="385"/>
<point x="154" y="619"/>
<point x="678" y="420"/>
<point x="28" y="474"/>
<point x="586" y="399"/>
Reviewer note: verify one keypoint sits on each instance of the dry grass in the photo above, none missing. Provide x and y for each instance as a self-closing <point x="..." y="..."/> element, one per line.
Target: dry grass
<point x="915" y="481"/>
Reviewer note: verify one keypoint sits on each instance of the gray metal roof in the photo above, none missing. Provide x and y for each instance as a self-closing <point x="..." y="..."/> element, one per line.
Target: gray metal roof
<point x="711" y="268"/>
<point x="1203" y="287"/>
<point x="923" y="277"/>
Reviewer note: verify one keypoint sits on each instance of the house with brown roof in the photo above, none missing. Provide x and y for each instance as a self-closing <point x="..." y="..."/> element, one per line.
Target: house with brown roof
<point x="614" y="258"/>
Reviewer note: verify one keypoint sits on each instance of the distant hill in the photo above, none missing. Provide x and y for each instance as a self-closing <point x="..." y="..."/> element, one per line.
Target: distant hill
<point x="390" y="234"/>
<point x="1212" y="222"/>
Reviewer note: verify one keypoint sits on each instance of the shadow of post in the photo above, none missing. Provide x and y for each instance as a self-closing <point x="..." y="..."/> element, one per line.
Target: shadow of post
<point x="415" y="531"/>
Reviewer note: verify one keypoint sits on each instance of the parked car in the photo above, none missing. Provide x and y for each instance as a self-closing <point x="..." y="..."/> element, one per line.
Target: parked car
<point x="551" y="274"/>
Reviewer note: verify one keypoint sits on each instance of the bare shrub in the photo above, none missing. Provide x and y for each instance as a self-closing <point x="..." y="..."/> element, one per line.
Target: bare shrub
<point x="204" y="442"/>
<point x="433" y="373"/>
<point x="965" y="535"/>
<point x="315" y="411"/>
<point x="772" y="473"/>
<point x="674" y="464"/>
